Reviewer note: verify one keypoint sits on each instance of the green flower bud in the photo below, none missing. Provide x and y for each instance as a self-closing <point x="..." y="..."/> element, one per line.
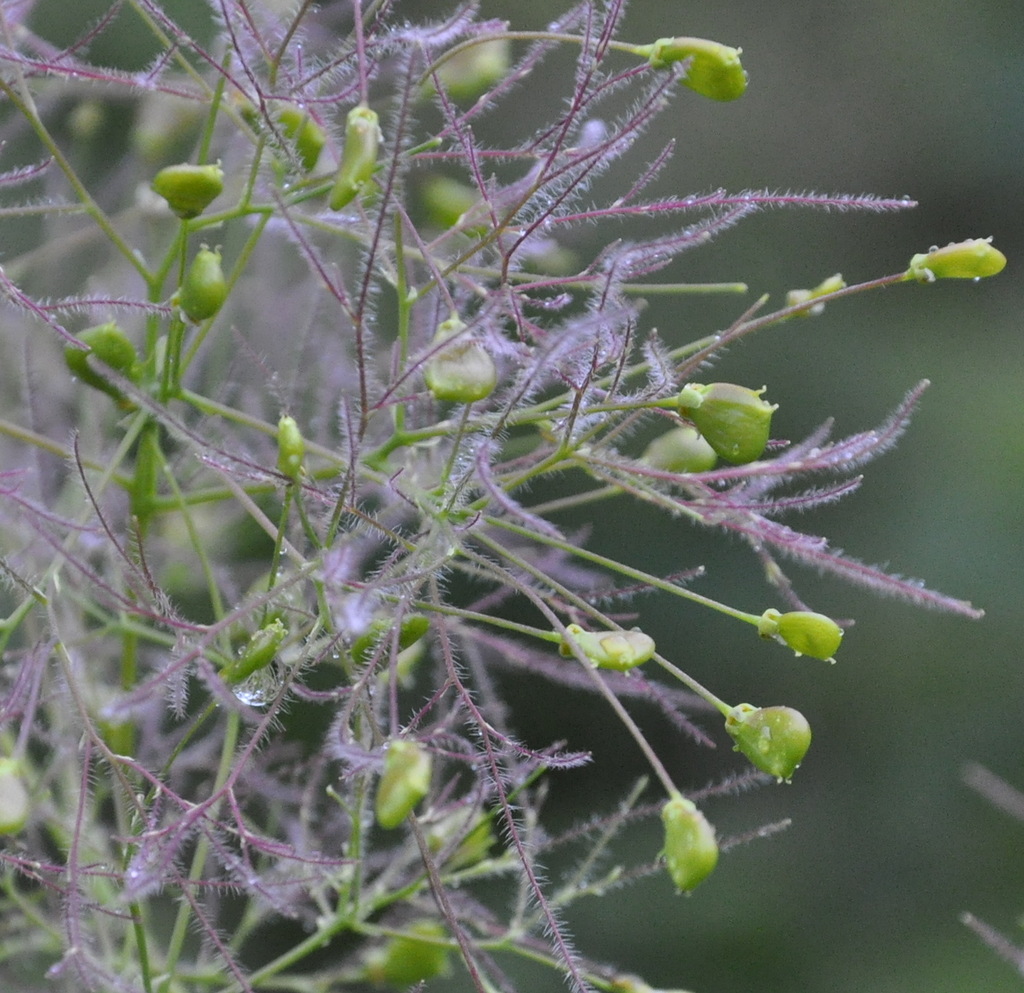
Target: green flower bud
<point x="405" y="781"/>
<point x="734" y="420"/>
<point x="15" y="804"/>
<point x="714" y="70"/>
<point x="971" y="259"/>
<point x="618" y="650"/>
<point x="308" y="136"/>
<point x="414" y="627"/>
<point x="109" y="344"/>
<point x="205" y="288"/>
<point x="475" y="69"/>
<point x="830" y="285"/>
<point x="683" y="449"/>
<point x="806" y="632"/>
<point x="189" y="189"/>
<point x="291" y="447"/>
<point x="413" y="958"/>
<point x="358" y="158"/>
<point x="775" y="739"/>
<point x="461" y="372"/>
<point x="260" y="651"/>
<point x="690" y="851"/>
<point x="474" y="846"/>
<point x="447" y="202"/>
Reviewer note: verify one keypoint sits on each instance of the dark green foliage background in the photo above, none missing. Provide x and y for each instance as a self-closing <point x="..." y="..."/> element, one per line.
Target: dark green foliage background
<point x="887" y="846"/>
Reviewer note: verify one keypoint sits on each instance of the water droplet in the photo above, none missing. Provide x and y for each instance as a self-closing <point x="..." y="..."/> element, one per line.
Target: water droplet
<point x="260" y="688"/>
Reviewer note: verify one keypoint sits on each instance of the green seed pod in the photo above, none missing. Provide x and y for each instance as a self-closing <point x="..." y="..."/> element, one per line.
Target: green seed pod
<point x="257" y="654"/>
<point x="204" y="290"/>
<point x="714" y="70"/>
<point x="682" y="449"/>
<point x="461" y="372"/>
<point x="189" y="189"/>
<point x="734" y="420"/>
<point x="404" y="782"/>
<point x="308" y="136"/>
<point x="291" y="447"/>
<point x="830" y="285"/>
<point x="475" y="69"/>
<point x="618" y="650"/>
<point x="775" y="739"/>
<point x="806" y="632"/>
<point x="358" y="158"/>
<point x="413" y="958"/>
<point x="15" y="804"/>
<point x="691" y="852"/>
<point x="109" y="344"/>
<point x="971" y="259"/>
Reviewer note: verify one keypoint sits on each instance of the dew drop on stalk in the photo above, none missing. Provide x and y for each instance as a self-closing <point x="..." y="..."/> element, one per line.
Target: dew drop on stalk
<point x="259" y="688"/>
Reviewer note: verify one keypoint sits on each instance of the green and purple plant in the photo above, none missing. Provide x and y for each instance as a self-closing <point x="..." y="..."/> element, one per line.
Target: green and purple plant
<point x="283" y="376"/>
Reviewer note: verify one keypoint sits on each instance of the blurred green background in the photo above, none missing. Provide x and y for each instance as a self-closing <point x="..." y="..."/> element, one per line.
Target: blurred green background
<point x="887" y="845"/>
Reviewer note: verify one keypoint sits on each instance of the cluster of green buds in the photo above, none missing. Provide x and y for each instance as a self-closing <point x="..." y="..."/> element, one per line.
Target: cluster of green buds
<point x="806" y="632"/>
<point x="618" y="650"/>
<point x="733" y="420"/>
<point x="681" y="449"/>
<point x="14" y="799"/>
<point x="404" y="782"/>
<point x="409" y="959"/>
<point x="975" y="258"/>
<point x="775" y="739"/>
<point x="109" y="344"/>
<point x="714" y="70"/>
<point x="189" y="189"/>
<point x="462" y="371"/>
<point x="796" y="297"/>
<point x="204" y="288"/>
<point x="690" y="849"/>
<point x="358" y="157"/>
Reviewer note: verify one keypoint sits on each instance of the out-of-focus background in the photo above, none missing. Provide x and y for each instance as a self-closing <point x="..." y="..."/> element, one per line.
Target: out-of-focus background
<point x="887" y="845"/>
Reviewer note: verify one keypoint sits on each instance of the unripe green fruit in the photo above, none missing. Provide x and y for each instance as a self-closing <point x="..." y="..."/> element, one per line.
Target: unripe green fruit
<point x="410" y="959"/>
<point x="15" y="804"/>
<point x="109" y="344"/>
<point x="734" y="420"/>
<point x="291" y="447"/>
<point x="404" y="782"/>
<point x="308" y="136"/>
<point x="618" y="650"/>
<point x="189" y="189"/>
<point x="462" y="372"/>
<point x="973" y="259"/>
<point x="775" y="739"/>
<point x="683" y="449"/>
<point x="470" y="72"/>
<point x="691" y="851"/>
<point x="257" y="654"/>
<point x="358" y="157"/>
<point x="714" y="70"/>
<point x="204" y="290"/>
<point x="806" y="632"/>
<point x="414" y="627"/>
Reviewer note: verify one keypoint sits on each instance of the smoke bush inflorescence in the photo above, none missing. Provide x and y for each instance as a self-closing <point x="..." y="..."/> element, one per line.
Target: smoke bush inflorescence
<point x="284" y="369"/>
